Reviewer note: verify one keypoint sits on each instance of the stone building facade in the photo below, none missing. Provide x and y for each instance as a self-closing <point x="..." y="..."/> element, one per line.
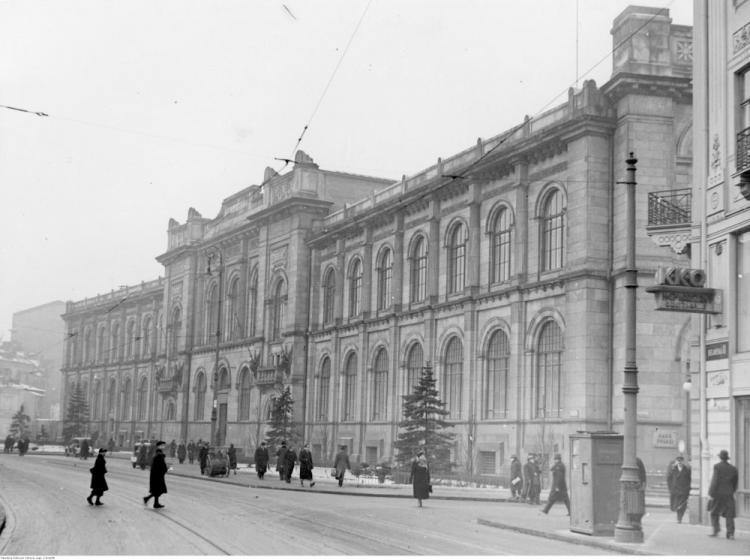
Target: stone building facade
<point x="501" y="265"/>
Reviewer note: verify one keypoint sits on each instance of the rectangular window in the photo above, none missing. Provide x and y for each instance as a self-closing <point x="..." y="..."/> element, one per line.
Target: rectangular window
<point x="743" y="292"/>
<point x="371" y="455"/>
<point x="486" y="462"/>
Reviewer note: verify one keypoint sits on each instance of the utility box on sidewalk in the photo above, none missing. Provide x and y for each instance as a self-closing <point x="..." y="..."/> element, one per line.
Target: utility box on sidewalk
<point x="595" y="469"/>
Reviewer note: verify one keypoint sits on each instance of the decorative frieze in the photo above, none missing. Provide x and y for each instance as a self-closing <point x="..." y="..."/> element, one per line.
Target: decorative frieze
<point x="741" y="38"/>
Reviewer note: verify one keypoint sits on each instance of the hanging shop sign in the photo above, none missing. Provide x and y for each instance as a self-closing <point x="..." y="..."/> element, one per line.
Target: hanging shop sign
<point x="682" y="289"/>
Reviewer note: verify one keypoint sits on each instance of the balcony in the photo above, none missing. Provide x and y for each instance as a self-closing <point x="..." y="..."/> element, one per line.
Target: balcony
<point x="669" y="218"/>
<point x="743" y="151"/>
<point x="167" y="386"/>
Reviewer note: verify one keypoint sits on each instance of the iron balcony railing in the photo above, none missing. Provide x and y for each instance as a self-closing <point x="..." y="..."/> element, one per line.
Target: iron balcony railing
<point x="743" y="151"/>
<point x="667" y="208"/>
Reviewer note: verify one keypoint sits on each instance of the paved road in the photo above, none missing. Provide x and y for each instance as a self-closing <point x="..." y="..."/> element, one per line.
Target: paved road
<point x="47" y="514"/>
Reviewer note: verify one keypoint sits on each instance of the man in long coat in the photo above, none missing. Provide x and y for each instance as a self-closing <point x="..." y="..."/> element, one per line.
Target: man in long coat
<point x="723" y="486"/>
<point x="516" y="480"/>
<point x="261" y="460"/>
<point x="678" y="482"/>
<point x="341" y="464"/>
<point x="291" y="459"/>
<point x="559" y="490"/>
<point x="181" y="452"/>
<point x="203" y="457"/>
<point x="98" y="482"/>
<point x="281" y="461"/>
<point x="84" y="451"/>
<point x="191" y="452"/>
<point x="532" y="480"/>
<point x="306" y="466"/>
<point x="156" y="483"/>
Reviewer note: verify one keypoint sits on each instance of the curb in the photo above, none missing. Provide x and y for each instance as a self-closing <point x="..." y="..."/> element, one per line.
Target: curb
<point x="568" y="539"/>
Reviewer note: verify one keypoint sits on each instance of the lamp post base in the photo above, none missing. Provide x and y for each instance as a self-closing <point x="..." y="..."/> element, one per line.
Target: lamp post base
<point x="628" y="534"/>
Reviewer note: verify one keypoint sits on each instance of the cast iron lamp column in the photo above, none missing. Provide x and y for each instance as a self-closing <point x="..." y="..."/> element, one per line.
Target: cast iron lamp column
<point x="214" y="428"/>
<point x="628" y="527"/>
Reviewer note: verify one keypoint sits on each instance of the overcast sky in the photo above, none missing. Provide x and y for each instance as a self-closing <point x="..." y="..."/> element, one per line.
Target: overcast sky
<point x="157" y="106"/>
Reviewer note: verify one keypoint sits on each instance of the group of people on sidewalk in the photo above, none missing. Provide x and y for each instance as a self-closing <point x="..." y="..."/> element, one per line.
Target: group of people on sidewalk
<point x="526" y="482"/>
<point x="157" y="484"/>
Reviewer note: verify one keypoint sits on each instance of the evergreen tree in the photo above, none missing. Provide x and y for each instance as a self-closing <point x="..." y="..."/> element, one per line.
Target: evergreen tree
<point x="282" y="423"/>
<point x="77" y="416"/>
<point x="19" y="425"/>
<point x="423" y="426"/>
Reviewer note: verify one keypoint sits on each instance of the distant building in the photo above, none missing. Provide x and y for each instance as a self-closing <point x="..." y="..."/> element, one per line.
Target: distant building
<point x="20" y="380"/>
<point x="502" y="265"/>
<point x="40" y="332"/>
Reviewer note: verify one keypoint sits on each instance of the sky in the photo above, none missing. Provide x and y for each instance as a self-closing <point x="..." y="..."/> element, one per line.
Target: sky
<point x="154" y="107"/>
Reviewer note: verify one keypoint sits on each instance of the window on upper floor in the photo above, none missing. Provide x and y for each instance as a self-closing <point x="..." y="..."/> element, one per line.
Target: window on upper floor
<point x="142" y="399"/>
<point x="456" y="258"/>
<point x="234" y="319"/>
<point x="453" y="373"/>
<point x="500" y="246"/>
<point x="278" y="310"/>
<point x="129" y="339"/>
<point x="549" y="352"/>
<point x="495" y="386"/>
<point x="552" y="231"/>
<point x="329" y="296"/>
<point x="355" y="288"/>
<point x="349" y="388"/>
<point x="253" y="303"/>
<point x="418" y="271"/>
<point x="211" y="314"/>
<point x="175" y="331"/>
<point x="115" y="346"/>
<point x="379" y="385"/>
<point x="385" y="275"/>
<point x="146" y="338"/>
<point x="324" y="387"/>
<point x="414" y="364"/>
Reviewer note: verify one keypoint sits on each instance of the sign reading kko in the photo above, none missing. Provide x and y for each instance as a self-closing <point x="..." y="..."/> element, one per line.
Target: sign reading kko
<point x="682" y="289"/>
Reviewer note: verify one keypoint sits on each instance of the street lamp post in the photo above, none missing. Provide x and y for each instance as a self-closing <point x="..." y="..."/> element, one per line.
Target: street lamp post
<point x="628" y="527"/>
<point x="214" y="427"/>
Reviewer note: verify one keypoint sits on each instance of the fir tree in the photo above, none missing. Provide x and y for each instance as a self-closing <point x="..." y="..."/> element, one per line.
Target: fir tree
<point x="423" y="426"/>
<point x="19" y="426"/>
<point x="282" y="423"/>
<point x="77" y="416"/>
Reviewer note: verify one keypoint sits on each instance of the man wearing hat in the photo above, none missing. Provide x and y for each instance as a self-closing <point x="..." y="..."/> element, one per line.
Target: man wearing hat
<point x="98" y="482"/>
<point x="516" y="482"/>
<point x="559" y="490"/>
<point x="723" y="486"/>
<point x="532" y="480"/>
<point x="157" y="485"/>
<point x="261" y="460"/>
<point x="281" y="461"/>
<point x="678" y="482"/>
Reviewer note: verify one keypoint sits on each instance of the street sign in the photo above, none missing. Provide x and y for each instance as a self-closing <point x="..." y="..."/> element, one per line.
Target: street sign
<point x="681" y="289"/>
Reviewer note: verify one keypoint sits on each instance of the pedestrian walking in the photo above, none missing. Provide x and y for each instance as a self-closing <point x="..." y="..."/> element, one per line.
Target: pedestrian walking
<point x="172" y="448"/>
<point x="232" y="457"/>
<point x="516" y="480"/>
<point x="98" y="482"/>
<point x="181" y="452"/>
<point x="203" y="457"/>
<point x="281" y="461"/>
<point x="678" y="482"/>
<point x="191" y="451"/>
<point x="420" y="478"/>
<point x="9" y="441"/>
<point x="306" y="466"/>
<point x="341" y="464"/>
<point x="532" y="480"/>
<point x="111" y="446"/>
<point x="142" y="460"/>
<point x="84" y="450"/>
<point x="723" y="486"/>
<point x="156" y="483"/>
<point x="559" y="489"/>
<point x="291" y="459"/>
<point x="261" y="460"/>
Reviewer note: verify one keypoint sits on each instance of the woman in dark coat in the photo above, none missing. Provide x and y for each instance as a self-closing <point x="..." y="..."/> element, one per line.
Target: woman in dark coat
<point x="98" y="483"/>
<point x="306" y="466"/>
<point x="420" y="478"/>
<point x="232" y="456"/>
<point x="261" y="460"/>
<point x="157" y="485"/>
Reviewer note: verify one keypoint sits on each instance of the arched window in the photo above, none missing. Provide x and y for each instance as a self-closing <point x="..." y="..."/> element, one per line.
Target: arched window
<point x="170" y="411"/>
<point x="129" y="339"/>
<point x="142" y="399"/>
<point x="160" y="334"/>
<point x="200" y="396"/>
<point x="146" y="337"/>
<point x="253" y="302"/>
<point x="72" y="348"/>
<point x="224" y="383"/>
<point x="101" y="345"/>
<point x="549" y="371"/>
<point x="212" y="314"/>
<point x="500" y="246"/>
<point x="127" y="395"/>
<point x="324" y="386"/>
<point x="112" y="397"/>
<point x="385" y="274"/>
<point x="88" y="348"/>
<point x="379" y="385"/>
<point x="453" y="376"/>
<point x="278" y="310"/>
<point x="175" y="331"/>
<point x="350" y="387"/>
<point x="244" y="408"/>
<point x="96" y="408"/>
<point x="495" y="386"/>
<point x="457" y="259"/>
<point x="414" y="364"/>
<point x="355" y="288"/>
<point x="418" y="271"/>
<point x="115" y="346"/>
<point x="553" y="231"/>
<point x="329" y="296"/>
<point x="234" y="321"/>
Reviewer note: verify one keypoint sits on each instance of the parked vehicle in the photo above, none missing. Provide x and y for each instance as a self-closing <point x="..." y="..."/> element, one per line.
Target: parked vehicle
<point x="218" y="463"/>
